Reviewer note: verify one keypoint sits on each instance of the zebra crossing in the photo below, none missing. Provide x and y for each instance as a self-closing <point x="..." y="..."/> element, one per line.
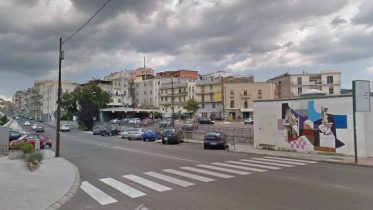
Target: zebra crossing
<point x="187" y="176"/>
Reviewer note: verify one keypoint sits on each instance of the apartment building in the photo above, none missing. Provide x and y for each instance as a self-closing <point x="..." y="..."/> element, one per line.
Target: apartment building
<point x="142" y="74"/>
<point x="178" y="88"/>
<point x="208" y="95"/>
<point x="294" y="85"/>
<point x="215" y="75"/>
<point x="182" y="74"/>
<point x="239" y="94"/>
<point x="43" y="98"/>
<point x="147" y="92"/>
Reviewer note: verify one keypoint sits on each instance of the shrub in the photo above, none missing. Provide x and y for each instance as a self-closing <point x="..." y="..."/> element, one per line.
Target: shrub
<point x="17" y="146"/>
<point x="82" y="126"/>
<point x="27" y="148"/>
<point x="35" y="156"/>
<point x="3" y="120"/>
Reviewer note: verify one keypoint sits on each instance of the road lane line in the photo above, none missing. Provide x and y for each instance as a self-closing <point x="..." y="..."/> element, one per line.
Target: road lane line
<point x="169" y="179"/>
<point x="224" y="169"/>
<point x="295" y="160"/>
<point x="225" y="176"/>
<point x="189" y="175"/>
<point x="267" y="163"/>
<point x="240" y="167"/>
<point x="254" y="165"/>
<point x="97" y="194"/>
<point x="123" y="188"/>
<point x="147" y="183"/>
<point x="340" y="186"/>
<point x="280" y="161"/>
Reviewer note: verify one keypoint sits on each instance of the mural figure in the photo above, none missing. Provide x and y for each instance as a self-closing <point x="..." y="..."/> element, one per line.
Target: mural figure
<point x="310" y="130"/>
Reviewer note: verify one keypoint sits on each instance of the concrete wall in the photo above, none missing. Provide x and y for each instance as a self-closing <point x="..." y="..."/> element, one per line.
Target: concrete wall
<point x="312" y="125"/>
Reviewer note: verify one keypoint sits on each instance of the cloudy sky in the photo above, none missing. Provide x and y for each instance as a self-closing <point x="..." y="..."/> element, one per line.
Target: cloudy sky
<point x="260" y="37"/>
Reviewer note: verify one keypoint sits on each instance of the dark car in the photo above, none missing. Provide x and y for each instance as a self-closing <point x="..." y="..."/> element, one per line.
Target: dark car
<point x="189" y="125"/>
<point x="217" y="118"/>
<point x="109" y="131"/>
<point x="40" y="129"/>
<point x="171" y="135"/>
<point x="45" y="141"/>
<point x="96" y="130"/>
<point x="152" y="135"/>
<point x="206" y="121"/>
<point x="13" y="135"/>
<point x="165" y="124"/>
<point x="214" y="140"/>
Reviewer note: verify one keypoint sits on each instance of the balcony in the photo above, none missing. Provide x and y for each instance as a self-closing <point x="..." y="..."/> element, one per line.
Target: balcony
<point x="247" y="96"/>
<point x="201" y="92"/>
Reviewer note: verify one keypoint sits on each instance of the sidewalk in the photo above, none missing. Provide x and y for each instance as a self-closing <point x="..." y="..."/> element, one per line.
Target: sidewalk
<point x="332" y="158"/>
<point x="48" y="187"/>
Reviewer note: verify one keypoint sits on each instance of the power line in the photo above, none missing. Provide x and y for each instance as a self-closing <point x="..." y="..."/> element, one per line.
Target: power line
<point x="81" y="27"/>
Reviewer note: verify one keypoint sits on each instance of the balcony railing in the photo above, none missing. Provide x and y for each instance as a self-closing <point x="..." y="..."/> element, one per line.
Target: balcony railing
<point x="208" y="91"/>
<point x="315" y="83"/>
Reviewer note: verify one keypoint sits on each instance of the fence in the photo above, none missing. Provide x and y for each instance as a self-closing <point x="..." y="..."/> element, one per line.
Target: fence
<point x="238" y="135"/>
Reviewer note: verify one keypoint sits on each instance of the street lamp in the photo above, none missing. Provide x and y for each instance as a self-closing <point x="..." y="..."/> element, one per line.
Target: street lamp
<point x="172" y="103"/>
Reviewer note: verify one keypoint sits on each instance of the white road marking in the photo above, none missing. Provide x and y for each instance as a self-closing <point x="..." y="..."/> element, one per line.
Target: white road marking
<point x="279" y="161"/>
<point x="340" y="186"/>
<point x="295" y="160"/>
<point x="147" y="183"/>
<point x="240" y="167"/>
<point x="169" y="179"/>
<point x="97" y="194"/>
<point x="267" y="163"/>
<point x="123" y="188"/>
<point x="207" y="172"/>
<point x="224" y="169"/>
<point x="253" y="164"/>
<point x="189" y="175"/>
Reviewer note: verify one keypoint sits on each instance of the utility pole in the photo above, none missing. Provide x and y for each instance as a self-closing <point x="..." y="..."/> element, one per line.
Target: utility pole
<point x="172" y="103"/>
<point x="59" y="101"/>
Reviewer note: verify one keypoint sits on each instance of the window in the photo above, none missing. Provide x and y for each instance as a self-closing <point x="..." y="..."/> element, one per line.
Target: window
<point x="179" y="91"/>
<point x="331" y="90"/>
<point x="210" y="87"/>
<point x="232" y="92"/>
<point x="144" y="92"/>
<point x="299" y="80"/>
<point x="203" y="98"/>
<point x="232" y="104"/>
<point x="161" y="98"/>
<point x="150" y="100"/>
<point x="329" y="79"/>
<point x="245" y="104"/>
<point x="245" y="92"/>
<point x="213" y="105"/>
<point x="211" y="97"/>
<point x="299" y="91"/>
<point x="151" y="92"/>
<point x="119" y="100"/>
<point x="144" y="84"/>
<point x="203" y="106"/>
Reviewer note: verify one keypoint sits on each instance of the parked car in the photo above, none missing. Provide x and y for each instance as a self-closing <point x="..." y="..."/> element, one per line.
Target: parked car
<point x="26" y="123"/>
<point x="152" y="135"/>
<point x="134" y="121"/>
<point x="96" y="130"/>
<point x="214" y="139"/>
<point x="45" y="141"/>
<point x="40" y="129"/>
<point x="123" y="121"/>
<point x="147" y="121"/>
<point x="115" y="121"/>
<point x="136" y="133"/>
<point x="171" y="135"/>
<point x="165" y="123"/>
<point x="248" y="121"/>
<point x="65" y="128"/>
<point x="124" y="133"/>
<point x="217" y="118"/>
<point x="206" y="121"/>
<point x="189" y="125"/>
<point x="13" y="135"/>
<point x="109" y="131"/>
<point x="34" y="126"/>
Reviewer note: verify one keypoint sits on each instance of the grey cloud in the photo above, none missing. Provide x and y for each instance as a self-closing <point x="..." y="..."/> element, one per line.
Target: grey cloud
<point x="365" y="15"/>
<point x="338" y="21"/>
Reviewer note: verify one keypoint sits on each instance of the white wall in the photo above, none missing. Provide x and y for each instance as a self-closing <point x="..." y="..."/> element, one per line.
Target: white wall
<point x="271" y="129"/>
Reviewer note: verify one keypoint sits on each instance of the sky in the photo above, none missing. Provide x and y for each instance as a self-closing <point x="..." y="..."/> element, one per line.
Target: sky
<point x="263" y="38"/>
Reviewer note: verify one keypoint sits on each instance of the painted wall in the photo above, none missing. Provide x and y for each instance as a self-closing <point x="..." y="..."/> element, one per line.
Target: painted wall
<point x="312" y="125"/>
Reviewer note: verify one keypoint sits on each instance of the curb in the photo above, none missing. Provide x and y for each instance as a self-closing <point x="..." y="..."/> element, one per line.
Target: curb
<point x="73" y="190"/>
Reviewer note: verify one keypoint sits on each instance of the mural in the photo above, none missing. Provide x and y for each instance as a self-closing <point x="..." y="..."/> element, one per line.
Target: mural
<point x="310" y="130"/>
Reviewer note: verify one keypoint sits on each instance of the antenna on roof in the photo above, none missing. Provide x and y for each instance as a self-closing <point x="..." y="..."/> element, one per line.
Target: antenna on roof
<point x="144" y="62"/>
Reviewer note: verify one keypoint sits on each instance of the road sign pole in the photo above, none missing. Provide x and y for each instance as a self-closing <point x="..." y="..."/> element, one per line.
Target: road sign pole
<point x="354" y="118"/>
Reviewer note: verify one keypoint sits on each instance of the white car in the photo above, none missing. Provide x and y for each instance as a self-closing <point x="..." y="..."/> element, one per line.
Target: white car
<point x="65" y="128"/>
<point x="134" y="121"/>
<point x="34" y="126"/>
<point x="248" y="121"/>
<point x="136" y="133"/>
<point x="26" y="123"/>
<point x="125" y="133"/>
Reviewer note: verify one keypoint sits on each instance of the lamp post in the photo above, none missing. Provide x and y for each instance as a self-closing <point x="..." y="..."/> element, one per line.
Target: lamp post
<point x="172" y="103"/>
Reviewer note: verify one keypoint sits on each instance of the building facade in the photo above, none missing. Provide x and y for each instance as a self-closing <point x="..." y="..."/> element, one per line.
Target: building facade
<point x="142" y="74"/>
<point x="208" y="95"/>
<point x="294" y="85"/>
<point x="182" y="74"/>
<point x="239" y="94"/>
<point x="178" y="89"/>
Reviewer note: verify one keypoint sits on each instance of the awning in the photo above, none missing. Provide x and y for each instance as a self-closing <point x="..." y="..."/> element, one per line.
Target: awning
<point x="247" y="110"/>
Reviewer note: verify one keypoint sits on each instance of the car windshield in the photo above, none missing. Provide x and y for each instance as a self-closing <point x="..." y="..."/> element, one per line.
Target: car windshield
<point x="213" y="134"/>
<point x="169" y="130"/>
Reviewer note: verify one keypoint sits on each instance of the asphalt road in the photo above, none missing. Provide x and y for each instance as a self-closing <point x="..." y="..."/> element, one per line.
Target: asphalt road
<point x="111" y="163"/>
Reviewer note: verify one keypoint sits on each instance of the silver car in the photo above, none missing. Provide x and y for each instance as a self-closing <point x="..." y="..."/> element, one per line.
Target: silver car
<point x="125" y="132"/>
<point x="136" y="133"/>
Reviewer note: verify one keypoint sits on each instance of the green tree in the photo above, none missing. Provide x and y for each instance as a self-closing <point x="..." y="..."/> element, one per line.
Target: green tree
<point x="85" y="102"/>
<point x="191" y="106"/>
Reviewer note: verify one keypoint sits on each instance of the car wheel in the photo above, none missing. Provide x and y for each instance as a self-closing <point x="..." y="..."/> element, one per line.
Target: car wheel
<point x="163" y="142"/>
<point x="204" y="147"/>
<point x="50" y="146"/>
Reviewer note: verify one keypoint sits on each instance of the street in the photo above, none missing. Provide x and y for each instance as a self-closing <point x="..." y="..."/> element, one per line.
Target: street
<point x="122" y="174"/>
